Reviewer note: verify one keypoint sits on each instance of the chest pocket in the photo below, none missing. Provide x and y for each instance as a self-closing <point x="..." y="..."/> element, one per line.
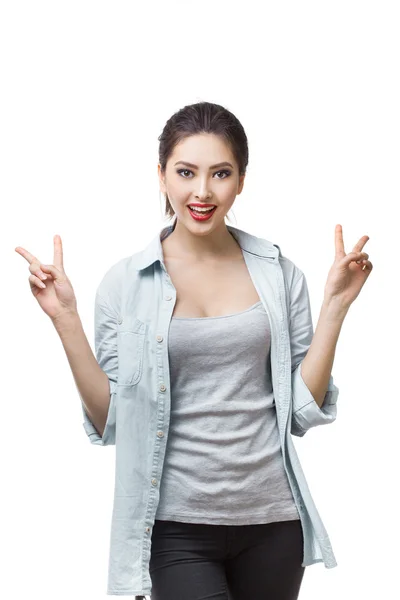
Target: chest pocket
<point x="131" y="338"/>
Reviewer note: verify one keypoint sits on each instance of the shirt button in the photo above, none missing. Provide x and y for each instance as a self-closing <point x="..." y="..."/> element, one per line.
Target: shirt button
<point x="159" y="338"/>
<point x="160" y="434"/>
<point x="120" y="320"/>
<point x="168" y="297"/>
<point x="162" y="388"/>
<point x="154" y="481"/>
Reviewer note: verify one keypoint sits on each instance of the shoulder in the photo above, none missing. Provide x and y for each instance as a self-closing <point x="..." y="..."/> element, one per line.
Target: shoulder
<point x="292" y="273"/>
<point x="116" y="277"/>
<point x="264" y="248"/>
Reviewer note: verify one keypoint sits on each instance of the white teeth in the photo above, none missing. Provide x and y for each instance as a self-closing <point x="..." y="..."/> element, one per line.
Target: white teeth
<point x="201" y="210"/>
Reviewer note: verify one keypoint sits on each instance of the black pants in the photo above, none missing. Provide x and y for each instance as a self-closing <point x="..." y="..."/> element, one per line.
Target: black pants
<point x="226" y="562"/>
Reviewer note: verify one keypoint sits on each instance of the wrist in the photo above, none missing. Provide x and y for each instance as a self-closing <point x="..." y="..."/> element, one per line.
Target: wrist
<point x="333" y="309"/>
<point x="66" y="320"/>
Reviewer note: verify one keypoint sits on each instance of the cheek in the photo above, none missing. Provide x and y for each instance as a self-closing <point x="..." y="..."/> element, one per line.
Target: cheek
<point x="180" y="193"/>
<point x="179" y="196"/>
<point x="228" y="192"/>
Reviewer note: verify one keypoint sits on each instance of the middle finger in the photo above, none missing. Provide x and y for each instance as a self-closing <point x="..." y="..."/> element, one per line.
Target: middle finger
<point x="34" y="263"/>
<point x="361" y="243"/>
<point x="27" y="255"/>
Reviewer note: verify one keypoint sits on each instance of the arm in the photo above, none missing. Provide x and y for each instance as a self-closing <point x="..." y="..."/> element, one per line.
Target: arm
<point x="317" y="365"/>
<point x="94" y="378"/>
<point x="309" y="410"/>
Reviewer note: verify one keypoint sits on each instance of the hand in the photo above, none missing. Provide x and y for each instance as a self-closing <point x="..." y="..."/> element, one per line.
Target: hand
<point x="348" y="273"/>
<point x="57" y="298"/>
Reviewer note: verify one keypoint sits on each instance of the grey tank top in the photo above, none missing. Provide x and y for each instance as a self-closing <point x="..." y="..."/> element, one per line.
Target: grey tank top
<point x="223" y="463"/>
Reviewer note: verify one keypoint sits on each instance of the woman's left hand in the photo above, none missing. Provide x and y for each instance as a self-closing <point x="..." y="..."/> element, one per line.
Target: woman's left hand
<point x="348" y="272"/>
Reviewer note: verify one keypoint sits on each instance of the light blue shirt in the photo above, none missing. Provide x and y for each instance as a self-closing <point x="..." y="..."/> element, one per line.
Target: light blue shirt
<point x="133" y="309"/>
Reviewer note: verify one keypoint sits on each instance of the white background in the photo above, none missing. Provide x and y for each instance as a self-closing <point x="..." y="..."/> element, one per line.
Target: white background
<point x="86" y="89"/>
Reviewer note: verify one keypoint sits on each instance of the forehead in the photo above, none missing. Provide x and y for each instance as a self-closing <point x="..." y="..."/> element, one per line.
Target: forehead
<point x="206" y="147"/>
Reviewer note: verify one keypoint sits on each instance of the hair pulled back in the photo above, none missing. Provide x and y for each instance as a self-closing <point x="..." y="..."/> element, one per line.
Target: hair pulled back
<point x="202" y="117"/>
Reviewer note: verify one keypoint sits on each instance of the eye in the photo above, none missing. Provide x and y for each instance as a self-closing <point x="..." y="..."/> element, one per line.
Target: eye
<point x="179" y="171"/>
<point x="225" y="171"/>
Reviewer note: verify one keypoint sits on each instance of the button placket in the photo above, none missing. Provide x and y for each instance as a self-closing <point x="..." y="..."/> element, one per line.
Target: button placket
<point x="162" y="387"/>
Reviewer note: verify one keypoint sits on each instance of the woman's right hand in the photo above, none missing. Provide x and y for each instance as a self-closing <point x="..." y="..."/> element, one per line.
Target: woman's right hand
<point x="57" y="298"/>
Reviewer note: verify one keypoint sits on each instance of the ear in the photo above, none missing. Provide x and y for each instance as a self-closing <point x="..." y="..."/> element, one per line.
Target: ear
<point x="161" y="178"/>
<point x="241" y="183"/>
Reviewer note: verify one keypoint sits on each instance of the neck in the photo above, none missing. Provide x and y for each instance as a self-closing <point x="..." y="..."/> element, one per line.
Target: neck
<point x="217" y="244"/>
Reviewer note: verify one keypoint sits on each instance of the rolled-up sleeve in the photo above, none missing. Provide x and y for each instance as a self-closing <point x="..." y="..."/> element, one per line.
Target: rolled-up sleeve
<point x="305" y="411"/>
<point x="106" y="351"/>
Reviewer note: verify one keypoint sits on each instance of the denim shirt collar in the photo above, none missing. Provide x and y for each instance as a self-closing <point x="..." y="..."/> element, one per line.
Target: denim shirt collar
<point x="249" y="243"/>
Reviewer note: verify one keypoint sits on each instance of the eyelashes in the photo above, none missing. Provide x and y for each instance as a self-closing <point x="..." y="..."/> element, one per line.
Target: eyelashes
<point x="225" y="171"/>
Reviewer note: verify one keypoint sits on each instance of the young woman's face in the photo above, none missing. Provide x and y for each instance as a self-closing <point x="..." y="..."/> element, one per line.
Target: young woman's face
<point x="201" y="182"/>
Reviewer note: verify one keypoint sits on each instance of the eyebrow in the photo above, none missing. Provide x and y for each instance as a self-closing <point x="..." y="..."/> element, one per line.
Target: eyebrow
<point x="188" y="164"/>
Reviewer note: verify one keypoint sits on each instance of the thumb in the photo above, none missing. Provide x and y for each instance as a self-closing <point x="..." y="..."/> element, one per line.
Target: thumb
<point x="56" y="273"/>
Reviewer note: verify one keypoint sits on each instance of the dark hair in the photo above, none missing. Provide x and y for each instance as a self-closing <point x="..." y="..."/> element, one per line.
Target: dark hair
<point x="202" y="117"/>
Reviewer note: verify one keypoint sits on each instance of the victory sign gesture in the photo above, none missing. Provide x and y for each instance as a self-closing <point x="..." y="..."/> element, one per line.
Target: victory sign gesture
<point x="56" y="297"/>
<point x="348" y="273"/>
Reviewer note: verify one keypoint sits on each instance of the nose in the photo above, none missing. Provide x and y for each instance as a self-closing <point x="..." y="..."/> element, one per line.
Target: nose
<point x="203" y="192"/>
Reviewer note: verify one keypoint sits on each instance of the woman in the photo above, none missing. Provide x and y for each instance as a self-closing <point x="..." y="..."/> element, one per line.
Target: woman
<point x="206" y="362"/>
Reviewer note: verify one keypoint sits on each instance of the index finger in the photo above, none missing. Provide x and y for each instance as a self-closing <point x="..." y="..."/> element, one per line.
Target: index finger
<point x="58" y="252"/>
<point x="339" y="244"/>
